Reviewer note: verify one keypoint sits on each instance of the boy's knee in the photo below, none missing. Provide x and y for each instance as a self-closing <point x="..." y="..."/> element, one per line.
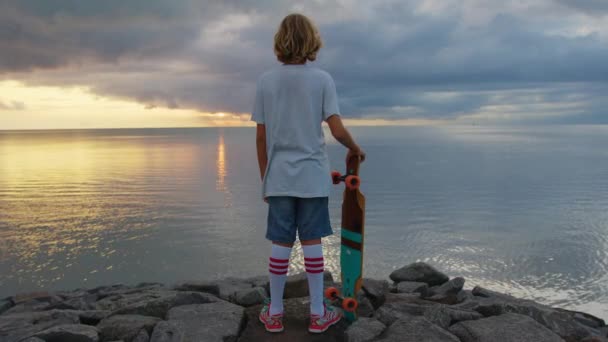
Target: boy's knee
<point x="311" y="242"/>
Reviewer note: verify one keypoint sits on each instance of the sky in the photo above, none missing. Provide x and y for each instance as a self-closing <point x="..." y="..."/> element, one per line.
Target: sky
<point x="175" y="63"/>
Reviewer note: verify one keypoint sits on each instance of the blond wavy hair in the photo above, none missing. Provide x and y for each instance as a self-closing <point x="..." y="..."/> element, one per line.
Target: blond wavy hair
<point x="297" y="40"/>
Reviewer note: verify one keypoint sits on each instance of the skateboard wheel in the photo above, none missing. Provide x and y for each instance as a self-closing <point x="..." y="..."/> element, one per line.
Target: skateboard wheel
<point x="352" y="182"/>
<point x="335" y="177"/>
<point x="349" y="304"/>
<point x="331" y="293"/>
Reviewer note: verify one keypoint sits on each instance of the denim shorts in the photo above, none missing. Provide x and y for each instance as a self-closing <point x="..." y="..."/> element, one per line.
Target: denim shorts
<point x="309" y="217"/>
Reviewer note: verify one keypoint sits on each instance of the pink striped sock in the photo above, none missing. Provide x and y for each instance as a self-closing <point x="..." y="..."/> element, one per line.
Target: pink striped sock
<point x="277" y="268"/>
<point x="313" y="262"/>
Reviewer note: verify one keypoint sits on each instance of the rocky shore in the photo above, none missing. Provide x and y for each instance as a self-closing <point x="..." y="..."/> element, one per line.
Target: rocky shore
<point x="419" y="304"/>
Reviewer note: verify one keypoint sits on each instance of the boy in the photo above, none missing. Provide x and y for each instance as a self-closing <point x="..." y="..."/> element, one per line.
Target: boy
<point x="292" y="101"/>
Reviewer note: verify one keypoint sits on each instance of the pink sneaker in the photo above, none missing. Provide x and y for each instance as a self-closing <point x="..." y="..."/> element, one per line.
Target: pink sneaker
<point x="272" y="323"/>
<point x="320" y="324"/>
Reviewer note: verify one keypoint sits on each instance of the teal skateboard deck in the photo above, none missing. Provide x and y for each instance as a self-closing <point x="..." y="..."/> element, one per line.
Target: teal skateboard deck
<point x="352" y="238"/>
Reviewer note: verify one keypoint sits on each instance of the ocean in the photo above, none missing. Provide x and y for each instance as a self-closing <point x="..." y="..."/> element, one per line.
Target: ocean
<point x="522" y="210"/>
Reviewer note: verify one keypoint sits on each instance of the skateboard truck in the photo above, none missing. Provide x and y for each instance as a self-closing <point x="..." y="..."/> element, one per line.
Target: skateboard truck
<point x="352" y="182"/>
<point x="348" y="304"/>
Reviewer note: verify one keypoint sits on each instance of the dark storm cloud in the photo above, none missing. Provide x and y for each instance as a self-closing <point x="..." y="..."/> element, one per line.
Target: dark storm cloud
<point x="389" y="58"/>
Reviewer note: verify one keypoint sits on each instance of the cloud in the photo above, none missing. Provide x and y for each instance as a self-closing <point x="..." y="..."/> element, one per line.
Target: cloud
<point x="390" y="59"/>
<point x="12" y="105"/>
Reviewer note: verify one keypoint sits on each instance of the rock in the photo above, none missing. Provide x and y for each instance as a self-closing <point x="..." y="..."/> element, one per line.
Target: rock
<point x="166" y="332"/>
<point x="364" y="330"/>
<point x="17" y="326"/>
<point x="222" y="321"/>
<point x="420" y="272"/>
<point x="479" y="291"/>
<point x="32" y="301"/>
<point x="447" y="293"/>
<point x="159" y="306"/>
<point x="251" y="296"/>
<point x="584" y="318"/>
<point x="560" y="323"/>
<point x="142" y="336"/>
<point x="413" y="298"/>
<point x="365" y="307"/>
<point x="438" y="315"/>
<point x="297" y="285"/>
<point x="5" y="304"/>
<point x="392" y="312"/>
<point x="412" y="287"/>
<point x="199" y="286"/>
<point x="125" y="327"/>
<point x="417" y="329"/>
<point x="459" y="315"/>
<point x="297" y="313"/>
<point x="104" y="291"/>
<point x="595" y="339"/>
<point x="69" y="333"/>
<point x="32" y="339"/>
<point x="92" y="317"/>
<point x="505" y="328"/>
<point x="375" y="290"/>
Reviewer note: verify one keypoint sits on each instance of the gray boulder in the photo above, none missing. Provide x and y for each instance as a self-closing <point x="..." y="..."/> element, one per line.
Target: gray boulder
<point x="375" y="290"/>
<point x="32" y="339"/>
<point x="250" y="296"/>
<point x="69" y="333"/>
<point x="561" y="323"/>
<point x="165" y="331"/>
<point x="417" y="329"/>
<point x="447" y="293"/>
<point x="392" y="312"/>
<point x="159" y="306"/>
<point x="419" y="272"/>
<point x="32" y="301"/>
<point x="505" y="328"/>
<point x="17" y="326"/>
<point x="199" y="286"/>
<point x="412" y="287"/>
<point x="222" y="321"/>
<point x="364" y="330"/>
<point x="142" y="336"/>
<point x="125" y="327"/>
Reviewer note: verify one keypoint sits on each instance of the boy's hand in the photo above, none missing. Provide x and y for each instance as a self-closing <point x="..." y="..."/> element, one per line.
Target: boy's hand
<point x="355" y="153"/>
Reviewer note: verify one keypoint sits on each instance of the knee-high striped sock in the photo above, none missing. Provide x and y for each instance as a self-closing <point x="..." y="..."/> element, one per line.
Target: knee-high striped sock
<point x="313" y="261"/>
<point x="277" y="268"/>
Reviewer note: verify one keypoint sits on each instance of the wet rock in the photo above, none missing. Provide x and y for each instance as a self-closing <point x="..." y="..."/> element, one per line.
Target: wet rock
<point x="364" y="330"/>
<point x="417" y="329"/>
<point x="251" y="296"/>
<point x="595" y="339"/>
<point x="375" y="290"/>
<point x="438" y="315"/>
<point x="419" y="272"/>
<point x="222" y="321"/>
<point x="412" y="287"/>
<point x="69" y="333"/>
<point x="158" y="307"/>
<point x="584" y="318"/>
<point x="142" y="336"/>
<point x="92" y="317"/>
<point x="125" y="327"/>
<point x="17" y="326"/>
<point x="165" y="331"/>
<point x="297" y="285"/>
<point x="505" y="328"/>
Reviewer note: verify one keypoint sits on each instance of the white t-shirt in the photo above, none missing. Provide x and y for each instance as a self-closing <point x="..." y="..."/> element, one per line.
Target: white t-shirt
<point x="292" y="101"/>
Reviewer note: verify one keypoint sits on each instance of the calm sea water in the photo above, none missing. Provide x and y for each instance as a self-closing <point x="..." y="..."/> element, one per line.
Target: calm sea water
<point x="521" y="210"/>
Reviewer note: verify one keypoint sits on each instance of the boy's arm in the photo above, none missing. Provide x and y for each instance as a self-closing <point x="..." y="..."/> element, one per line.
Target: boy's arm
<point x="340" y="133"/>
<point x="260" y="142"/>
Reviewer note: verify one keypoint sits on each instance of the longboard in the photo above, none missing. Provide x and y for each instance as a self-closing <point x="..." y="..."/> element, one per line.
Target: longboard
<point x="352" y="238"/>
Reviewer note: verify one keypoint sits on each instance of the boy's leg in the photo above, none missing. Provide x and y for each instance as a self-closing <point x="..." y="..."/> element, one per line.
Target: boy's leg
<point x="277" y="268"/>
<point x="314" y="264"/>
